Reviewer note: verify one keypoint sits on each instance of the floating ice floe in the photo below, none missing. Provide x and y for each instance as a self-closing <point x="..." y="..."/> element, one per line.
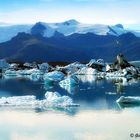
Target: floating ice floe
<point x="52" y="99"/>
<point x="129" y="100"/>
<point x="55" y="76"/>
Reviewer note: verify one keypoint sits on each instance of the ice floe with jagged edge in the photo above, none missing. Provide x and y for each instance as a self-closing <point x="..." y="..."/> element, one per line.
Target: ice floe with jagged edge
<point x="52" y="99"/>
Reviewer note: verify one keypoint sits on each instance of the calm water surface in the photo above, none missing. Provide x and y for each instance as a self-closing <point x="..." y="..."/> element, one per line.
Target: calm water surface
<point x="99" y="117"/>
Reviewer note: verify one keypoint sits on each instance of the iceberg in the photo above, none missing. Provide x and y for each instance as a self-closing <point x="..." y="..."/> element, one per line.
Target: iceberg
<point x="71" y="80"/>
<point x="52" y="99"/>
<point x="69" y="84"/>
<point x="55" y="76"/>
<point x="70" y="89"/>
<point x="55" y="99"/>
<point x="128" y="100"/>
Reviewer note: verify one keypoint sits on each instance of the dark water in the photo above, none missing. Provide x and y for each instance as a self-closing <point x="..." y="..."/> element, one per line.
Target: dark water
<point x="98" y="117"/>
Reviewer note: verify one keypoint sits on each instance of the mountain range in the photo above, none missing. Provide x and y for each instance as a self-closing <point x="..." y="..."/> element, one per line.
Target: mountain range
<point x="67" y="41"/>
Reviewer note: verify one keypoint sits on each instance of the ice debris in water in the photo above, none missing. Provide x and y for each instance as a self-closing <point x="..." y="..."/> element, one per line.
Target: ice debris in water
<point x="52" y="99"/>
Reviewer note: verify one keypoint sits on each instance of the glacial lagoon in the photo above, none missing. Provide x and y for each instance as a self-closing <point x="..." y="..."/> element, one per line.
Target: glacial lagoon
<point x="98" y="117"/>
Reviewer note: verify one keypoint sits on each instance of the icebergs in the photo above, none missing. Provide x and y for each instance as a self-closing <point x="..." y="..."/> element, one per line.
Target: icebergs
<point x="52" y="99"/>
<point x="55" y="76"/>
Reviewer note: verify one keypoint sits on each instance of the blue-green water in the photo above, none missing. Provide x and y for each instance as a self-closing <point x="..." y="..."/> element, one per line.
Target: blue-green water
<point x="99" y="117"/>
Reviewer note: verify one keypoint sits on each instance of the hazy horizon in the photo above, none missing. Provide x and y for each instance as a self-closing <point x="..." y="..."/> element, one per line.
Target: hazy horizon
<point x="109" y="12"/>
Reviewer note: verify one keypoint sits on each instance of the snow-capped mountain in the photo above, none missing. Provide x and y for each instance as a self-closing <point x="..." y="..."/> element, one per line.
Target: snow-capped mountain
<point x="72" y="26"/>
<point x="66" y="28"/>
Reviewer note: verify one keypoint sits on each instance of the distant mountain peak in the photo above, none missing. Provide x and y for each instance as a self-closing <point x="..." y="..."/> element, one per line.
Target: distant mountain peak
<point x="38" y="29"/>
<point x="58" y="34"/>
<point x="71" y="22"/>
<point x="119" y="25"/>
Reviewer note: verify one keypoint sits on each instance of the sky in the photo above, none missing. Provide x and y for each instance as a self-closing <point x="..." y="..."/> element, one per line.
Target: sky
<point x="126" y="12"/>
